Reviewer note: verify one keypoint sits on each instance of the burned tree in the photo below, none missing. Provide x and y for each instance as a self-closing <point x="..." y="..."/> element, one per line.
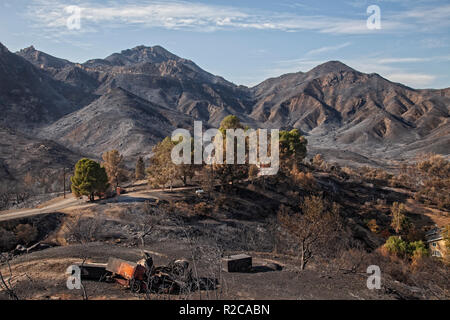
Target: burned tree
<point x="113" y="164"/>
<point x="140" y="169"/>
<point x="313" y="228"/>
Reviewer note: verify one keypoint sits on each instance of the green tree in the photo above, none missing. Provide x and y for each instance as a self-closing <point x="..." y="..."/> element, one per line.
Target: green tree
<point x="113" y="164"/>
<point x="230" y="122"/>
<point x="417" y="249"/>
<point x="229" y="173"/>
<point x="140" y="169"/>
<point x="395" y="245"/>
<point x="89" y="179"/>
<point x="292" y="149"/>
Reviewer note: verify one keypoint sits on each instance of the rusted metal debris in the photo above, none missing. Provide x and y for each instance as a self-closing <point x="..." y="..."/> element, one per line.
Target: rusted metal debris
<point x="93" y="271"/>
<point x="128" y="274"/>
<point x="143" y="276"/>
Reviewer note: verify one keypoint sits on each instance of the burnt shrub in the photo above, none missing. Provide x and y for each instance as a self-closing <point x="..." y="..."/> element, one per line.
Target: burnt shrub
<point x="26" y="233"/>
<point x="8" y="240"/>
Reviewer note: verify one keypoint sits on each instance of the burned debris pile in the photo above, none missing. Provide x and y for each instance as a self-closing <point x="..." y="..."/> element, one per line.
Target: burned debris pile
<point x="144" y="277"/>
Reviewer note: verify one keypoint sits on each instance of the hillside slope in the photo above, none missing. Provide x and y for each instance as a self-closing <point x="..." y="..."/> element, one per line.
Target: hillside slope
<point x="116" y="120"/>
<point x="28" y="96"/>
<point x="337" y="106"/>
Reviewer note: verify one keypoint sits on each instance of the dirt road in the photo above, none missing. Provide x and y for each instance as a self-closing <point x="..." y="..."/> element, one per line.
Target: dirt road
<point x="71" y="203"/>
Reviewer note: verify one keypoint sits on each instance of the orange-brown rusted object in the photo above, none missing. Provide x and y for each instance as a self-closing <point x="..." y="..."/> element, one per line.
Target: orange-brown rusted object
<point x="125" y="269"/>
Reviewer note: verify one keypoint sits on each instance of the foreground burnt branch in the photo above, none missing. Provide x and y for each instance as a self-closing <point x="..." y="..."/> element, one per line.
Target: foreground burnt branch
<point x="5" y="284"/>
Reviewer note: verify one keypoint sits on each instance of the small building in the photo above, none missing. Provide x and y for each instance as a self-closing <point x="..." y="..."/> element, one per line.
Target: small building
<point x="436" y="242"/>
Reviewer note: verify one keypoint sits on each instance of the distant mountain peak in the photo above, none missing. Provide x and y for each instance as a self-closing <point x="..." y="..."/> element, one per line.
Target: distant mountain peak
<point x="331" y="66"/>
<point x="155" y="48"/>
<point x="140" y="47"/>
<point x="141" y="54"/>
<point x="28" y="49"/>
<point x="42" y="59"/>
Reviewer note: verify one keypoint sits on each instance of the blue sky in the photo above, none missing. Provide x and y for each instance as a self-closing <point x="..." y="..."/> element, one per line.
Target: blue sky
<point x="247" y="41"/>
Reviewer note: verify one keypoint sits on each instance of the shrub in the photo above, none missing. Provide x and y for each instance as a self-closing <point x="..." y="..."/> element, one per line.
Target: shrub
<point x="434" y="174"/>
<point x="8" y="240"/>
<point x="418" y="249"/>
<point x="396" y="246"/>
<point x="202" y="208"/>
<point x="401" y="248"/>
<point x="26" y="233"/>
<point x="253" y="171"/>
<point x="348" y="171"/>
<point x="306" y="180"/>
<point x="375" y="175"/>
<point x="318" y="160"/>
<point x="83" y="229"/>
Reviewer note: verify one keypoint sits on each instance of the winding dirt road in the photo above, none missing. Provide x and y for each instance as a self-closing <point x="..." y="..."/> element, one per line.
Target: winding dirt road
<point x="71" y="203"/>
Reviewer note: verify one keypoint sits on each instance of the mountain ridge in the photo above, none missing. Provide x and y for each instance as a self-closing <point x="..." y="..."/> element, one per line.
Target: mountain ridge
<point x="334" y="105"/>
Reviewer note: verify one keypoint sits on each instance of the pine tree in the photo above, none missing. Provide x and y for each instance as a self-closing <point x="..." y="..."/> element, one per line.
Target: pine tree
<point x="89" y="179"/>
<point x="292" y="149"/>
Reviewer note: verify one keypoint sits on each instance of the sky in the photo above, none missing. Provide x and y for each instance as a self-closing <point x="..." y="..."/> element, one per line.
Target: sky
<point x="246" y="41"/>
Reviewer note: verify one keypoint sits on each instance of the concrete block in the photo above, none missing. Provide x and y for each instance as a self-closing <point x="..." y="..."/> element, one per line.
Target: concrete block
<point x="237" y="263"/>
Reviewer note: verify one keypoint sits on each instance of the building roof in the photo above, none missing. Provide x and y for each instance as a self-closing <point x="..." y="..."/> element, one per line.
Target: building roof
<point x="434" y="234"/>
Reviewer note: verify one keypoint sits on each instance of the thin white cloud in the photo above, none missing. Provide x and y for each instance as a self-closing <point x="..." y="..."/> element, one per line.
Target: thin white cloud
<point x="429" y="14"/>
<point x="402" y="60"/>
<point x="327" y="49"/>
<point x="425" y="19"/>
<point x="293" y="65"/>
<point x="434" y="43"/>
<point x="416" y="80"/>
<point x="172" y="14"/>
<point x="393" y="70"/>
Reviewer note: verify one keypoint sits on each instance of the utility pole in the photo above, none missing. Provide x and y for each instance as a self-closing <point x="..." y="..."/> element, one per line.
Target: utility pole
<point x="64" y="175"/>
